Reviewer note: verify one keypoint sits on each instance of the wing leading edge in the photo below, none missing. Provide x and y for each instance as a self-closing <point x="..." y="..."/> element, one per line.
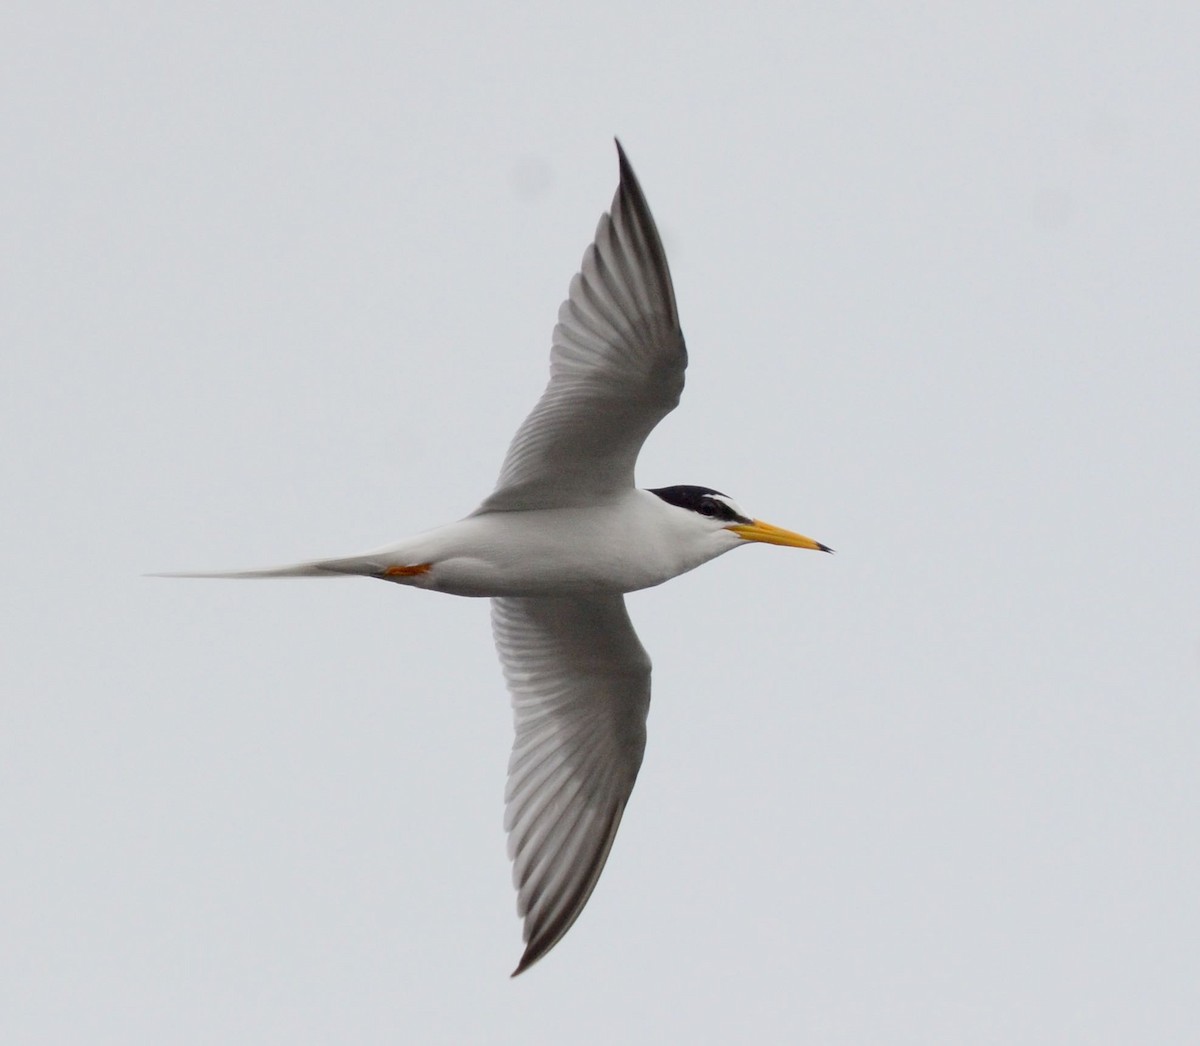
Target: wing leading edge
<point x="616" y="368"/>
<point x="580" y="684"/>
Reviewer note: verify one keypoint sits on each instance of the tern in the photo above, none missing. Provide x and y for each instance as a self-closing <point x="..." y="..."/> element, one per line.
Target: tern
<point x="557" y="544"/>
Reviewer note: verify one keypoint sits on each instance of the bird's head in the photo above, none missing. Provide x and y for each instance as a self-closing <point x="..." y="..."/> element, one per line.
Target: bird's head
<point x="720" y="515"/>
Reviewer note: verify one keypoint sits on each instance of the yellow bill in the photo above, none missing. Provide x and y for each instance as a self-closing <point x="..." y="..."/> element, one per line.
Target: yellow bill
<point x="757" y="530"/>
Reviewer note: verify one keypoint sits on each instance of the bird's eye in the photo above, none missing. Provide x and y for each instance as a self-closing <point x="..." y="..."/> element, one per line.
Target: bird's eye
<point x="707" y="508"/>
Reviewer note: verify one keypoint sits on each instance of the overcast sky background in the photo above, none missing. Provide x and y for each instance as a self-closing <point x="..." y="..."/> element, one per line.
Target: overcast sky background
<point x="279" y="283"/>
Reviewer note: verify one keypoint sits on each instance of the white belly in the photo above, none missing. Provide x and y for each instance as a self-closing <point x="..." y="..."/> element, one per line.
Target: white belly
<point x="635" y="543"/>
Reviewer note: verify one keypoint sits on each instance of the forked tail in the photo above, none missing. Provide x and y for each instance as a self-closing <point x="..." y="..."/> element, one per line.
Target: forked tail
<point x="368" y="566"/>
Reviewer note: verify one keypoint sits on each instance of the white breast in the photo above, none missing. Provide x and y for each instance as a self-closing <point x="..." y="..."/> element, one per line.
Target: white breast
<point x="635" y="542"/>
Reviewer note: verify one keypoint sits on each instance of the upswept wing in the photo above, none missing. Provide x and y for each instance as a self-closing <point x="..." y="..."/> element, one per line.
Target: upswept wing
<point x="580" y="685"/>
<point x="616" y="369"/>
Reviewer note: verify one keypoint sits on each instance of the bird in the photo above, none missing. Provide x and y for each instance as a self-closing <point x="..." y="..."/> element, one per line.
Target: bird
<point x="557" y="545"/>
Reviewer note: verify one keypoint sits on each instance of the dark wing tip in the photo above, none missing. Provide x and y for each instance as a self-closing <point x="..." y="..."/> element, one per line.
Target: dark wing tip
<point x="622" y="159"/>
<point x="539" y="946"/>
<point x="630" y="194"/>
<point x="527" y="960"/>
<point x="546" y="935"/>
<point x="628" y="179"/>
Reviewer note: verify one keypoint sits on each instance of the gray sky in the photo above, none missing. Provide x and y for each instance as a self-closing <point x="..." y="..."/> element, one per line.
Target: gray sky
<point x="280" y="284"/>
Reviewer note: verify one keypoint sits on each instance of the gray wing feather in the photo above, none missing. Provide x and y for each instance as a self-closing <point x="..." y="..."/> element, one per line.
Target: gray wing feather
<point x="616" y="368"/>
<point x="580" y="685"/>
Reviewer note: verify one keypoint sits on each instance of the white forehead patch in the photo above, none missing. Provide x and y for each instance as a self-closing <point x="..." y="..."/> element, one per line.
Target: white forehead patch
<point x="733" y="505"/>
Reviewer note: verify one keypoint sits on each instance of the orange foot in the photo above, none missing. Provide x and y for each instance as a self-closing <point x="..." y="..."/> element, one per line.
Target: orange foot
<point x="420" y="568"/>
